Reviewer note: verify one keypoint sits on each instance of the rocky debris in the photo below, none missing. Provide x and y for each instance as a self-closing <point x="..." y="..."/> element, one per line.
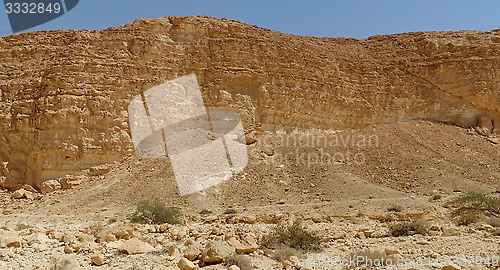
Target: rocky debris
<point x="30" y="188"/>
<point x="98" y="259"/>
<point x="216" y="251"/>
<point x="68" y="262"/>
<point x="115" y="233"/>
<point x="10" y="241"/>
<point x="23" y="193"/>
<point x="193" y="251"/>
<point x="135" y="246"/>
<point x="99" y="170"/>
<point x="50" y="186"/>
<point x="243" y="244"/>
<point x="70" y="181"/>
<point x="185" y="264"/>
<point x="451" y="267"/>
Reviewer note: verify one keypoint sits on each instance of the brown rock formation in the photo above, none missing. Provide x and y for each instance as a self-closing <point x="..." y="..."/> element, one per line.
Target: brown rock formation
<point x="64" y="94"/>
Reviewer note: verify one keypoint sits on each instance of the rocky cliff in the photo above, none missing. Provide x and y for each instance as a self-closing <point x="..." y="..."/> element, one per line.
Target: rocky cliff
<point x="64" y="94"/>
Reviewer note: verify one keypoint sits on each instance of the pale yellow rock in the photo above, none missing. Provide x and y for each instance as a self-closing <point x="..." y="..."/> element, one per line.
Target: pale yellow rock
<point x="135" y="246"/>
<point x="50" y="186"/>
<point x="216" y="251"/>
<point x="193" y="251"/>
<point x="185" y="264"/>
<point x="97" y="259"/>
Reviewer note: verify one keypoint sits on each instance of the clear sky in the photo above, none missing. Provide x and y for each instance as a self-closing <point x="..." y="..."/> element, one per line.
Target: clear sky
<point x="325" y="18"/>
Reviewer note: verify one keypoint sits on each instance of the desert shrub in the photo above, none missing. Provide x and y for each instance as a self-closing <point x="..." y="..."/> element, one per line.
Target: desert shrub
<point x="22" y="226"/>
<point x="155" y="213"/>
<point x="284" y="253"/>
<point x="205" y="212"/>
<point x="419" y="226"/>
<point x="293" y="235"/>
<point x="466" y="219"/>
<point x="475" y="205"/>
<point x="242" y="261"/>
<point x="494" y="221"/>
<point x="395" y="208"/>
<point x="230" y="211"/>
<point x="436" y="197"/>
<point x="385" y="219"/>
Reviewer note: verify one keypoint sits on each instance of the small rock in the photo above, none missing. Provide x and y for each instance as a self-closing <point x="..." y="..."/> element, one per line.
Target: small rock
<point x="216" y="251"/>
<point x="338" y="235"/>
<point x="391" y="251"/>
<point x="451" y="267"/>
<point x="12" y="241"/>
<point x="450" y="231"/>
<point x="30" y="188"/>
<point x="68" y="237"/>
<point x="368" y="233"/>
<point x="22" y="193"/>
<point x="185" y="264"/>
<point x="70" y="181"/>
<point x="99" y="170"/>
<point x="98" y="259"/>
<point x="135" y="246"/>
<point x="233" y="267"/>
<point x="68" y="262"/>
<point x="193" y="251"/>
<point x="422" y="242"/>
<point x="110" y="238"/>
<point x="50" y="186"/>
<point x="41" y="247"/>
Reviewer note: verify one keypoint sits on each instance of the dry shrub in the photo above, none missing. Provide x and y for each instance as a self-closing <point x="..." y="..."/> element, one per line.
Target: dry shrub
<point x="395" y="208"/>
<point x="494" y="221"/>
<point x="294" y="235"/>
<point x="242" y="261"/>
<point x="472" y="206"/>
<point x="284" y="253"/>
<point x="418" y="226"/>
<point x="155" y="213"/>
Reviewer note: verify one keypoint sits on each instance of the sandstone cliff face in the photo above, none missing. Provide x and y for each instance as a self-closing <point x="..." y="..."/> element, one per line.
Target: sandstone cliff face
<point x="64" y="94"/>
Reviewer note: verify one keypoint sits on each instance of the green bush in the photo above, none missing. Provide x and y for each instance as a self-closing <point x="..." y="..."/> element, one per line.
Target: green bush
<point x="472" y="206"/>
<point x="155" y="213"/>
<point x="419" y="226"/>
<point x="294" y="236"/>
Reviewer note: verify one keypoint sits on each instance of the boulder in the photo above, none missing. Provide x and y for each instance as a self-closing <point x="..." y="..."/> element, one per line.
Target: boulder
<point x="245" y="244"/>
<point x="97" y="259"/>
<point x="22" y="193"/>
<point x="216" y="251"/>
<point x="135" y="246"/>
<point x="193" y="251"/>
<point x="50" y="186"/>
<point x="70" y="181"/>
<point x="185" y="264"/>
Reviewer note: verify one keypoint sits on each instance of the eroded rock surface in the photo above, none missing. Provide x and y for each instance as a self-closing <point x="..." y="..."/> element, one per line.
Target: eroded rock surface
<point x="64" y="94"/>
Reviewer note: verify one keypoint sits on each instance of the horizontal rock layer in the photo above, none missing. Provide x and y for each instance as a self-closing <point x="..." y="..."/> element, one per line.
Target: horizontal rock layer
<point x="64" y="94"/>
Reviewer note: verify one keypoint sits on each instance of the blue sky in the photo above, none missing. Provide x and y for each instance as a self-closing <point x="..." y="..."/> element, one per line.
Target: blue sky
<point x="333" y="18"/>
